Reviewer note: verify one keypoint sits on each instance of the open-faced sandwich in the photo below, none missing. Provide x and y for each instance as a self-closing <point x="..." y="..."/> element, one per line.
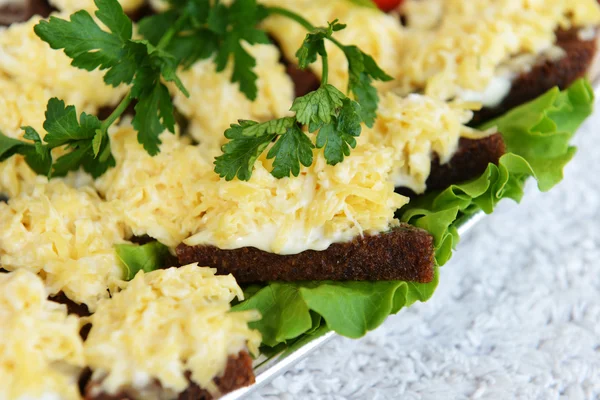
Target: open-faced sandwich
<point x="185" y="183"/>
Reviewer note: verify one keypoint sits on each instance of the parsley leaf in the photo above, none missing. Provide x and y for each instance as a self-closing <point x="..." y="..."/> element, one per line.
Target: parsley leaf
<point x="62" y="125"/>
<point x="362" y="70"/>
<point x="148" y="122"/>
<point x="84" y="41"/>
<point x="241" y="152"/>
<point x="291" y="149"/>
<point x="233" y="25"/>
<point x="213" y="29"/>
<point x="63" y="129"/>
<point x="318" y="106"/>
<point x="277" y="126"/>
<point x="314" y="44"/>
<point x="338" y="136"/>
<point x="37" y="157"/>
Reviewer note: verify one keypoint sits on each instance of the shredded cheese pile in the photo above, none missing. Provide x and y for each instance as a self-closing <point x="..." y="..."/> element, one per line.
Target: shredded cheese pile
<point x="215" y="102"/>
<point x="41" y="353"/>
<point x="325" y="204"/>
<point x="26" y="60"/>
<point x="164" y="324"/>
<point x="160" y="195"/>
<point x="416" y="127"/>
<point x="457" y="48"/>
<point x="71" y="6"/>
<point x="376" y="33"/>
<point x="65" y="235"/>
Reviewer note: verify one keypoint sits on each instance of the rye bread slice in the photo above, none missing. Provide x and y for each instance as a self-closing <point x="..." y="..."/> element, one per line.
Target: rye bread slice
<point x="403" y="253"/>
<point x="238" y="373"/>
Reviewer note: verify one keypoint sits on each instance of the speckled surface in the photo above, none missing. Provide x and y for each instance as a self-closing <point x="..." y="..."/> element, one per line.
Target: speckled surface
<point x="516" y="315"/>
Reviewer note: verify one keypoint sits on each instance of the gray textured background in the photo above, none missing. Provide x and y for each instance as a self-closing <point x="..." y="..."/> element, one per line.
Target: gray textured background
<point x="516" y="314"/>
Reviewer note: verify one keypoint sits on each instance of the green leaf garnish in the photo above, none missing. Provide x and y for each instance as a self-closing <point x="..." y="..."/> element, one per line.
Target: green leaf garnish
<point x="148" y="257"/>
<point x="338" y="136"/>
<point x="319" y="106"/>
<point x="212" y="29"/>
<point x="126" y="61"/>
<point x="291" y="150"/>
<point x="242" y="150"/>
<point x="336" y="117"/>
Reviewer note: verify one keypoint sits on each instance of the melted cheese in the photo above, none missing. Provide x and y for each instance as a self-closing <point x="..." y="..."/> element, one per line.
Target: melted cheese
<point x="160" y="195"/>
<point x="416" y="128"/>
<point x="454" y="48"/>
<point x="215" y="102"/>
<point x="66" y="236"/>
<point x="164" y="324"/>
<point x="70" y="6"/>
<point x="41" y="353"/>
<point x="374" y="32"/>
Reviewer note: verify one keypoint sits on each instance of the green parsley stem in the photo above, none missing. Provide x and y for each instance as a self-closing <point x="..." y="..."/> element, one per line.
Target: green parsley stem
<point x="116" y="113"/>
<point x="301" y="20"/>
<point x="173" y="30"/>
<point x="325" y="60"/>
<point x="306" y="24"/>
<point x="291" y="15"/>
<point x="164" y="42"/>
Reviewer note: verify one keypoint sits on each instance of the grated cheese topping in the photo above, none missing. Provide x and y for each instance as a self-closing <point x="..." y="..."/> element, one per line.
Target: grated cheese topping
<point x="374" y="32"/>
<point x="26" y="60"/>
<point x="325" y="204"/>
<point x="66" y="236"/>
<point x="164" y="324"/>
<point x="459" y="49"/>
<point x="416" y="127"/>
<point x="160" y="195"/>
<point x="71" y="6"/>
<point x="215" y="102"/>
<point x="41" y="353"/>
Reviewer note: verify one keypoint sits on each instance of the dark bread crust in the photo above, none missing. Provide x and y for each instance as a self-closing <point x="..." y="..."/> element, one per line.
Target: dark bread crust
<point x="575" y="64"/>
<point x="72" y="307"/>
<point x="470" y="161"/>
<point x="23" y="12"/>
<point x="238" y="373"/>
<point x="404" y="253"/>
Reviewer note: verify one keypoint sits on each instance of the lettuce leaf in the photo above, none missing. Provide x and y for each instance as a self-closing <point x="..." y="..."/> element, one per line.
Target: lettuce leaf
<point x="537" y="137"/>
<point x="147" y="257"/>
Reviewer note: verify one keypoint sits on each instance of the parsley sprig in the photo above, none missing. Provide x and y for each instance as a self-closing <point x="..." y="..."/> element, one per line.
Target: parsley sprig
<point x="335" y="116"/>
<point x="189" y="31"/>
<point x="205" y="28"/>
<point x="129" y="61"/>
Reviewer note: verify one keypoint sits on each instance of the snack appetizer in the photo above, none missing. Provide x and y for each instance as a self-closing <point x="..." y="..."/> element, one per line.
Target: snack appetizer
<point x="322" y="156"/>
<point x="41" y="353"/>
<point x="168" y="334"/>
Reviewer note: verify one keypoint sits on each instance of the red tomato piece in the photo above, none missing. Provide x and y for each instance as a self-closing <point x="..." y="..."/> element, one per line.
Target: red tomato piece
<point x="387" y="5"/>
